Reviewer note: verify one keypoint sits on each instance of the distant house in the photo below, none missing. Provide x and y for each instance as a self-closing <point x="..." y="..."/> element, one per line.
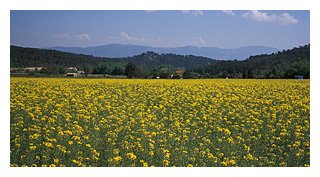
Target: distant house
<point x="298" y="77"/>
<point x="29" y="69"/>
<point x="17" y="70"/>
<point x="25" y="70"/>
<point x="71" y="74"/>
<point x="180" y="71"/>
<point x="81" y="72"/>
<point x="72" y="69"/>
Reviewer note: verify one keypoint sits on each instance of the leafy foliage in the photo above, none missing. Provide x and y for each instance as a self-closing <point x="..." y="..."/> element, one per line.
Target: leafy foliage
<point x="132" y="70"/>
<point x="152" y="60"/>
<point x="285" y="64"/>
<point x="56" y="61"/>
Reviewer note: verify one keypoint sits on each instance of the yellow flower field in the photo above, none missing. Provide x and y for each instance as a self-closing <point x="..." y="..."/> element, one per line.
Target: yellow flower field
<point x="110" y="122"/>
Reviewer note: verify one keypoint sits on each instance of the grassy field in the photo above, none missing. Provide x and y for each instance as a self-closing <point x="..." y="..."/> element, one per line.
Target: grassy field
<point x="101" y="122"/>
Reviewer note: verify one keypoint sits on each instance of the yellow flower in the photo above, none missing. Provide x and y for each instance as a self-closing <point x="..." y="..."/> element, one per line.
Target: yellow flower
<point x="204" y="122"/>
<point x="131" y="156"/>
<point x="32" y="147"/>
<point x="48" y="144"/>
<point x="118" y="158"/>
<point x="165" y="163"/>
<point x="96" y="153"/>
<point x="76" y="138"/>
<point x="224" y="163"/>
<point x="116" y="151"/>
<point x="232" y="162"/>
<point x="249" y="157"/>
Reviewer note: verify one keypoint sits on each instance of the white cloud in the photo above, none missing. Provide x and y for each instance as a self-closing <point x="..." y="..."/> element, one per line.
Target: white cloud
<point x="62" y="36"/>
<point x="196" y="13"/>
<point x="283" y="19"/>
<point x="200" y="41"/>
<point x="127" y="37"/>
<point x="229" y="12"/>
<point x="83" y="37"/>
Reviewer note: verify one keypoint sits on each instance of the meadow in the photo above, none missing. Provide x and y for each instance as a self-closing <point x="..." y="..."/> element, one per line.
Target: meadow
<point x="183" y="123"/>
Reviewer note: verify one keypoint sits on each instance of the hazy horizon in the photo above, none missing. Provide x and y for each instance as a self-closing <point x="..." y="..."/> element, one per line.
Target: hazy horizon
<point x="166" y="29"/>
<point x="152" y="46"/>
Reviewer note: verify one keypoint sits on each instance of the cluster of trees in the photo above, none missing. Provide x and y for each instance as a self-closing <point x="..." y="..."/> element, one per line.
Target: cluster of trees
<point x="284" y="64"/>
<point x="133" y="70"/>
<point x="56" y="62"/>
<point x="28" y="57"/>
<point x="151" y="60"/>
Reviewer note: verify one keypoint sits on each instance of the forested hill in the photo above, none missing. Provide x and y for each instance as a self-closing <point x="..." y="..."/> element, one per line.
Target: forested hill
<point x="285" y="64"/>
<point x="31" y="57"/>
<point x="154" y="60"/>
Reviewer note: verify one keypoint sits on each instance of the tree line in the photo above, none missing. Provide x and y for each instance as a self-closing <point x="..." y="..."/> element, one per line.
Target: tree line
<point x="283" y="64"/>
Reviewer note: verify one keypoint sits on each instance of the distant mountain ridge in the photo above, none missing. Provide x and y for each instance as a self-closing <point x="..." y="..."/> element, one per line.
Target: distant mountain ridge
<point x="127" y="50"/>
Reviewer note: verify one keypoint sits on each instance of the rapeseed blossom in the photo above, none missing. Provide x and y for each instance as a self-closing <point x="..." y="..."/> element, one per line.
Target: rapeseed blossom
<point x="111" y="122"/>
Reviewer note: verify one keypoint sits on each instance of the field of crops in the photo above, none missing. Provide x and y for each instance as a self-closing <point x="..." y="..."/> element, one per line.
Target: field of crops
<point x="101" y="122"/>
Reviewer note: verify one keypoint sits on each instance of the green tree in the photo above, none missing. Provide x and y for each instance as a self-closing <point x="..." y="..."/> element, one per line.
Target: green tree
<point x="117" y="71"/>
<point x="62" y="70"/>
<point x="50" y="69"/>
<point x="275" y="73"/>
<point x="86" y="71"/>
<point x="190" y="75"/>
<point x="132" y="70"/>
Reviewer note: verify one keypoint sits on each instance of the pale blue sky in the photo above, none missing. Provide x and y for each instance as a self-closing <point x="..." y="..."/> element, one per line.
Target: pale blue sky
<point x="224" y="29"/>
